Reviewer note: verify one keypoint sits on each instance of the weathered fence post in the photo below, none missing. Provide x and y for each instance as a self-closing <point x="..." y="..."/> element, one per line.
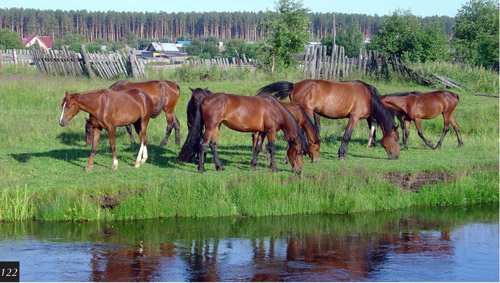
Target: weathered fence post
<point x="86" y="62"/>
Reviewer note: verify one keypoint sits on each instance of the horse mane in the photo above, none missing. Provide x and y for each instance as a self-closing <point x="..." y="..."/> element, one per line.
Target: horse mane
<point x="194" y="136"/>
<point x="379" y="112"/>
<point x="418" y="93"/>
<point x="308" y="121"/>
<point x="301" y="136"/>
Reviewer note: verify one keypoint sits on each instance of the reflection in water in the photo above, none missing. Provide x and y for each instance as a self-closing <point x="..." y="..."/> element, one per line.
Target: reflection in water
<point x="445" y="244"/>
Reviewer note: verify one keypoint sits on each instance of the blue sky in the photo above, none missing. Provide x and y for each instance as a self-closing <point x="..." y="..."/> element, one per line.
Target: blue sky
<point x="370" y="7"/>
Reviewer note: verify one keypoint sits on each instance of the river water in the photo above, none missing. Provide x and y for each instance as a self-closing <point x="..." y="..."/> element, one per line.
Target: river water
<point x="419" y="244"/>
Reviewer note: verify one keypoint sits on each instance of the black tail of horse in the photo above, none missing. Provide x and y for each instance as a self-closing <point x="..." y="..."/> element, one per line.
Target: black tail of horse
<point x="193" y="139"/>
<point x="379" y="112"/>
<point x="280" y="90"/>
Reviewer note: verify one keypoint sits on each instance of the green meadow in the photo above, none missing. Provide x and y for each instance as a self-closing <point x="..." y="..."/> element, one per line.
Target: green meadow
<point x="42" y="176"/>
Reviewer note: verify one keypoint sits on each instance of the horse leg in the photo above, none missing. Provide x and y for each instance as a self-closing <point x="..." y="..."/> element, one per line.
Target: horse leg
<point x="256" y="139"/>
<point x="143" y="152"/>
<point x="201" y="156"/>
<point x="111" y="132"/>
<point x="446" y="128"/>
<point x="347" y="137"/>
<point x="421" y="134"/>
<point x="172" y="123"/>
<point x="213" y="147"/>
<point x="130" y="133"/>
<point x="259" y="141"/>
<point x="372" y="137"/>
<point x="457" y="131"/>
<point x="271" y="138"/>
<point x="316" y="121"/>
<point x="96" y="136"/>
<point x="406" y="133"/>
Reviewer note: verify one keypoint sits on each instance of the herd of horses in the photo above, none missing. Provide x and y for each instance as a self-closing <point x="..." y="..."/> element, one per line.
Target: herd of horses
<point x="134" y="103"/>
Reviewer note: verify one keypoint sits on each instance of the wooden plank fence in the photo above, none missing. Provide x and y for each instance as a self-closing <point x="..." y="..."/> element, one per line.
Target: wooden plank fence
<point x="242" y="61"/>
<point x="16" y="56"/>
<point x="105" y="65"/>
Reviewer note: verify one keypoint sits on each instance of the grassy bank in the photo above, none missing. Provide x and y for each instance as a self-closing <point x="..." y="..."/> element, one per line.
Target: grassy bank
<point x="42" y="177"/>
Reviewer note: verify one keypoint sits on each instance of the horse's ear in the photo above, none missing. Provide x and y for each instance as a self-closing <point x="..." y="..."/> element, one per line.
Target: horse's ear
<point x="87" y="120"/>
<point x="396" y="127"/>
<point x="67" y="93"/>
<point x="192" y="90"/>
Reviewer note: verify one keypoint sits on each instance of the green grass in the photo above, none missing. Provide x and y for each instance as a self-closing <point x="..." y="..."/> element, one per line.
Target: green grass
<point x="42" y="176"/>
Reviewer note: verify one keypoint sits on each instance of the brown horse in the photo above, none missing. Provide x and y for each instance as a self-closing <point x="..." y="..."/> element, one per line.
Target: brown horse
<point x="164" y="94"/>
<point x="305" y="124"/>
<point x="263" y="114"/>
<point x="109" y="109"/>
<point x="355" y="100"/>
<point x="415" y="106"/>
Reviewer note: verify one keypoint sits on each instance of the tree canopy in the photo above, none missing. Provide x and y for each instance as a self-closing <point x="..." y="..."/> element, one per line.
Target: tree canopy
<point x="476" y="32"/>
<point x="286" y="33"/>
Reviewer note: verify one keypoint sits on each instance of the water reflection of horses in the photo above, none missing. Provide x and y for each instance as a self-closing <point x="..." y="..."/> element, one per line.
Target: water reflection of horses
<point x="263" y="114"/>
<point x="415" y="106"/>
<point x="164" y="94"/>
<point x="109" y="109"/>
<point x="352" y="99"/>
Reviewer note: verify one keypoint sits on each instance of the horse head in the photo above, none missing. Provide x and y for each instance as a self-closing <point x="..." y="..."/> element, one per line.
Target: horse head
<point x="70" y="108"/>
<point x="295" y="156"/>
<point x="390" y="142"/>
<point x="198" y="94"/>
<point x="314" y="150"/>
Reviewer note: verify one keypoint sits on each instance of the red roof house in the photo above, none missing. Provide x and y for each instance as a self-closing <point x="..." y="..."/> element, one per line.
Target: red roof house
<point x="44" y="42"/>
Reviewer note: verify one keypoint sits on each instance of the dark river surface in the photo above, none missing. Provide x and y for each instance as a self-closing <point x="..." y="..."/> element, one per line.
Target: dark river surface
<point x="418" y="244"/>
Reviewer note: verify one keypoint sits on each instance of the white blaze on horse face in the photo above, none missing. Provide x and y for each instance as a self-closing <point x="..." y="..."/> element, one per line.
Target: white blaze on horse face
<point x="62" y="114"/>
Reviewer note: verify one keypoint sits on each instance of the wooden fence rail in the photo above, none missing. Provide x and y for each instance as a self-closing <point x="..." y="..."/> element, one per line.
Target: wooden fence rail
<point x="224" y="62"/>
<point x="105" y="65"/>
<point x="16" y="56"/>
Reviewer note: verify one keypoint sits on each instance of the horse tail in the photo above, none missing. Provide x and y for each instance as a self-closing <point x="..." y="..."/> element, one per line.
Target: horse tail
<point x="279" y="90"/>
<point x="380" y="113"/>
<point x="192" y="142"/>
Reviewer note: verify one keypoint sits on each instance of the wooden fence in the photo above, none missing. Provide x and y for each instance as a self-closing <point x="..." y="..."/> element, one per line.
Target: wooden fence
<point x="106" y="65"/>
<point x="16" y="56"/>
<point x="242" y="61"/>
<point x="317" y="65"/>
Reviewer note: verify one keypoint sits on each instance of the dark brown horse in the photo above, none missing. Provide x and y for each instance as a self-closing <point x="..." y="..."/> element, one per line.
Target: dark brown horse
<point x="306" y="125"/>
<point x="415" y="106"/>
<point x="164" y="94"/>
<point x="263" y="114"/>
<point x="197" y="95"/>
<point x="109" y="109"/>
<point x="355" y="100"/>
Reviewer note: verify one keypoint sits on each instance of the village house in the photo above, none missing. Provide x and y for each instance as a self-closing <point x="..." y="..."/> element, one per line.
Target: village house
<point x="44" y="42"/>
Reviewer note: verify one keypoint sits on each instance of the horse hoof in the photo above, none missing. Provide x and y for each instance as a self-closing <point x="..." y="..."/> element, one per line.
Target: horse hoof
<point x="137" y="165"/>
<point x="404" y="148"/>
<point x="143" y="161"/>
<point x="114" y="167"/>
<point x="253" y="168"/>
<point x="87" y="168"/>
<point x="342" y="158"/>
<point x="220" y="168"/>
<point x="163" y="143"/>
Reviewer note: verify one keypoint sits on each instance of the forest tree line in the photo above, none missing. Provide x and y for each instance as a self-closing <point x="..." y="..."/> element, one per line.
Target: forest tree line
<point x="114" y="26"/>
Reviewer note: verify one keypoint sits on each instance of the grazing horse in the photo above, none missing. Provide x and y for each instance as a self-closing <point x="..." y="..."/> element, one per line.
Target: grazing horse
<point x="263" y="114"/>
<point x="109" y="109"/>
<point x="414" y="106"/>
<point x="355" y="100"/>
<point x="164" y="95"/>
<point x="306" y="125"/>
